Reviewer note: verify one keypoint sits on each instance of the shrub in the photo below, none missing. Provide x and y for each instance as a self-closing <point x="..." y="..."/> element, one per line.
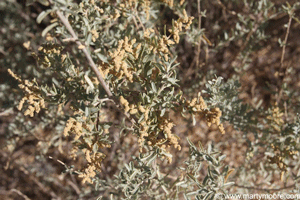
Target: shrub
<point x="111" y="88"/>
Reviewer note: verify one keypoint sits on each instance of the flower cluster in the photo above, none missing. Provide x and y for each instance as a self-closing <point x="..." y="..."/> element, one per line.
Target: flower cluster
<point x="95" y="35"/>
<point x="280" y="153"/>
<point x="144" y="129"/>
<point x="198" y="107"/>
<point x="118" y="65"/>
<point x="84" y="138"/>
<point x="94" y="164"/>
<point x="84" y="7"/>
<point x="212" y="116"/>
<point x="162" y="44"/>
<point x="166" y="125"/>
<point x="276" y="118"/>
<point x="185" y="22"/>
<point x="49" y="53"/>
<point x="169" y="2"/>
<point x="74" y="127"/>
<point x="32" y="96"/>
<point x="128" y="108"/>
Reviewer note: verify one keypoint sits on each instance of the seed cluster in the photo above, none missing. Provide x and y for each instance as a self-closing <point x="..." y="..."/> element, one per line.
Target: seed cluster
<point x="164" y="125"/>
<point x="198" y="107"/>
<point x="118" y="65"/>
<point x="82" y="137"/>
<point x="49" y="53"/>
<point x="94" y="164"/>
<point x="276" y="118"/>
<point x="32" y="96"/>
<point x="182" y="22"/>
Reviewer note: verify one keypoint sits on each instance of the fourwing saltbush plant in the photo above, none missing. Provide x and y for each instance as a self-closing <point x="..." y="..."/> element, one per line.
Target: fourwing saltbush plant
<point x="135" y="72"/>
<point x="107" y="76"/>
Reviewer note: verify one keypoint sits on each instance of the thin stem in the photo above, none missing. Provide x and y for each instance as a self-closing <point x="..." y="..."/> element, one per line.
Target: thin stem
<point x="285" y="40"/>
<point x="137" y="16"/>
<point x="282" y="56"/>
<point x="135" y="22"/>
<point x="226" y="9"/>
<point x="86" y="53"/>
<point x="19" y="193"/>
<point x="199" y="27"/>
<point x="94" y="67"/>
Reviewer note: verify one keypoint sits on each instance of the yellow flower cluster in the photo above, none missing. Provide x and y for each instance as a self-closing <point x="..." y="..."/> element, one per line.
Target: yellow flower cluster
<point x="95" y="35"/>
<point x="162" y="43"/>
<point x="36" y="104"/>
<point x="88" y="174"/>
<point x="74" y="127"/>
<point x="49" y="51"/>
<point x="94" y="159"/>
<point x="185" y="22"/>
<point x="32" y="96"/>
<point x="128" y="3"/>
<point x="276" y="118"/>
<point x="128" y="108"/>
<point x="78" y="129"/>
<point x="198" y="104"/>
<point x="278" y="160"/>
<point x="144" y="110"/>
<point x="116" y="15"/>
<point x="147" y="33"/>
<point x="143" y="133"/>
<point x="88" y="9"/>
<point x="212" y="116"/>
<point x="118" y="65"/>
<point x="280" y="153"/>
<point x="285" y="150"/>
<point x="49" y="38"/>
<point x="146" y="8"/>
<point x="166" y="127"/>
<point x="169" y="2"/>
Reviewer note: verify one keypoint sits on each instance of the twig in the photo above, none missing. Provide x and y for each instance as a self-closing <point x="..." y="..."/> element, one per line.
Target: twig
<point x="196" y="59"/>
<point x="6" y="112"/>
<point x="225" y="8"/>
<point x="19" y="193"/>
<point x="135" y="22"/>
<point x="199" y="27"/>
<point x="141" y="22"/>
<point x="93" y="65"/>
<point x="285" y="40"/>
<point x="86" y="53"/>
<point x="282" y="56"/>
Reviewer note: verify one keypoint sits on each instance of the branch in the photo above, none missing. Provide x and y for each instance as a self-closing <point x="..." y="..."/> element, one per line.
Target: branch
<point x="86" y="53"/>
<point x="284" y="71"/>
<point x="93" y="65"/>
<point x="285" y="40"/>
